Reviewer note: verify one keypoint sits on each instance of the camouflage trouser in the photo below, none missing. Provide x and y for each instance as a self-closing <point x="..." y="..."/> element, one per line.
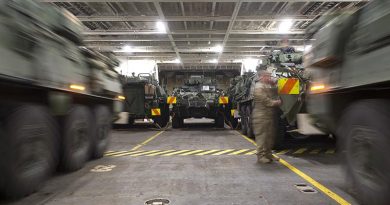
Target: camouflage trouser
<point x="263" y="127"/>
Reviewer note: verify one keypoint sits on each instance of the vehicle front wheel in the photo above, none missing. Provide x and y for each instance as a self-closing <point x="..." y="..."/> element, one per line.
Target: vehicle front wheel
<point x="365" y="133"/>
<point x="102" y="128"/>
<point x="177" y="122"/>
<point x="29" y="149"/>
<point x="76" y="138"/>
<point x="220" y="121"/>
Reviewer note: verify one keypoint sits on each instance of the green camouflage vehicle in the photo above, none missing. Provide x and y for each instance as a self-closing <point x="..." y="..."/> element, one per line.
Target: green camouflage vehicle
<point x="349" y="96"/>
<point x="286" y="65"/>
<point x="145" y="98"/>
<point x="57" y="100"/>
<point x="198" y="98"/>
<point x="241" y="99"/>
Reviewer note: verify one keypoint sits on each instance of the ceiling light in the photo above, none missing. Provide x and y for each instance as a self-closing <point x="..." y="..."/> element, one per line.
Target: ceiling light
<point x="307" y="48"/>
<point x="214" y="61"/>
<point x="285" y="25"/>
<point x="250" y="63"/>
<point x="176" y="60"/>
<point x="217" y="48"/>
<point x="300" y="48"/>
<point x="161" y="27"/>
<point x="126" y="49"/>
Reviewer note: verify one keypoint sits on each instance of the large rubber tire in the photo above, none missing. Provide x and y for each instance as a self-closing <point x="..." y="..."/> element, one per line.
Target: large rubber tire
<point x="177" y="122"/>
<point x="249" y="128"/>
<point x="233" y="122"/>
<point x="28" y="146"/>
<point x="365" y="135"/>
<point x="244" y="120"/>
<point x="102" y="128"/>
<point x="130" y="121"/>
<point x="162" y="120"/>
<point x="280" y="132"/>
<point x="76" y="138"/>
<point x="220" y="120"/>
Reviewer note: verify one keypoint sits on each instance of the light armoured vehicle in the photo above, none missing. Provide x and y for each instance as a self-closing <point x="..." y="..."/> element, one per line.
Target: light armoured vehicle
<point x="198" y="98"/>
<point x="145" y="98"/>
<point x="286" y="66"/>
<point x="349" y="95"/>
<point x="57" y="100"/>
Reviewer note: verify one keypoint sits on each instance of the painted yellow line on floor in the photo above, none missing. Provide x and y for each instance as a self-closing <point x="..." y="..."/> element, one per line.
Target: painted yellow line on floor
<point x="208" y="152"/>
<point x="145" y="153"/>
<point x="300" y="151"/>
<point x="112" y="153"/>
<point x="192" y="152"/>
<point x="330" y="151"/>
<point x="316" y="151"/>
<point x="159" y="153"/>
<point x="319" y="186"/>
<point x="147" y="141"/>
<point x="251" y="153"/>
<point x="223" y="152"/>
<point x="238" y="152"/>
<point x="306" y="177"/>
<point x="174" y="153"/>
<point x="126" y="153"/>
<point x="283" y="151"/>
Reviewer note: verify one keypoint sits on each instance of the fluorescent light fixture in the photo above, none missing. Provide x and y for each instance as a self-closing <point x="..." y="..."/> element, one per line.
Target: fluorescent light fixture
<point x="126" y="49"/>
<point x="300" y="48"/>
<point x="214" y="61"/>
<point x="176" y="60"/>
<point x="285" y="25"/>
<point x="307" y="48"/>
<point x="161" y="27"/>
<point x="250" y="64"/>
<point x="217" y="48"/>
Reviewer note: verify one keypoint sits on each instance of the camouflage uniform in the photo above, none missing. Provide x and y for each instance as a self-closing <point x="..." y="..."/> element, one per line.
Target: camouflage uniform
<point x="263" y="119"/>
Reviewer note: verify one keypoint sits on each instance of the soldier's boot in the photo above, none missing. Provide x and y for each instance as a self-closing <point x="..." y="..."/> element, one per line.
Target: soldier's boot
<point x="263" y="160"/>
<point x="272" y="157"/>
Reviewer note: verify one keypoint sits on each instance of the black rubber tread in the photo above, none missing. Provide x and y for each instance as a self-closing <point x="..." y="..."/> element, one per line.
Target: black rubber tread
<point x="220" y="120"/>
<point x="280" y="132"/>
<point x="363" y="129"/>
<point x="102" y="127"/>
<point x="177" y="122"/>
<point x="249" y="128"/>
<point x="29" y="148"/>
<point x="163" y="120"/>
<point x="130" y="121"/>
<point x="244" y="120"/>
<point x="78" y="121"/>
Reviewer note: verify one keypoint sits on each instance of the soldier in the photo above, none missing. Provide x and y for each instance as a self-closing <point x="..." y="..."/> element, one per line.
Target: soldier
<point x="265" y="100"/>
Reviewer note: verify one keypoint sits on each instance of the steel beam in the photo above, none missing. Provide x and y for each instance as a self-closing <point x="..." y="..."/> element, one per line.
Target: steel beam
<point x="169" y="33"/>
<point x="230" y="26"/>
<point x="143" y="32"/>
<point x="132" y="39"/>
<point x="104" y="1"/>
<point x="195" y="18"/>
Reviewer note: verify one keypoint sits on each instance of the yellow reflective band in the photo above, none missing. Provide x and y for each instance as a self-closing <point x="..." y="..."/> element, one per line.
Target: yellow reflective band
<point x="288" y="86"/>
<point x="223" y="100"/>
<point x="155" y="112"/>
<point x="171" y="100"/>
